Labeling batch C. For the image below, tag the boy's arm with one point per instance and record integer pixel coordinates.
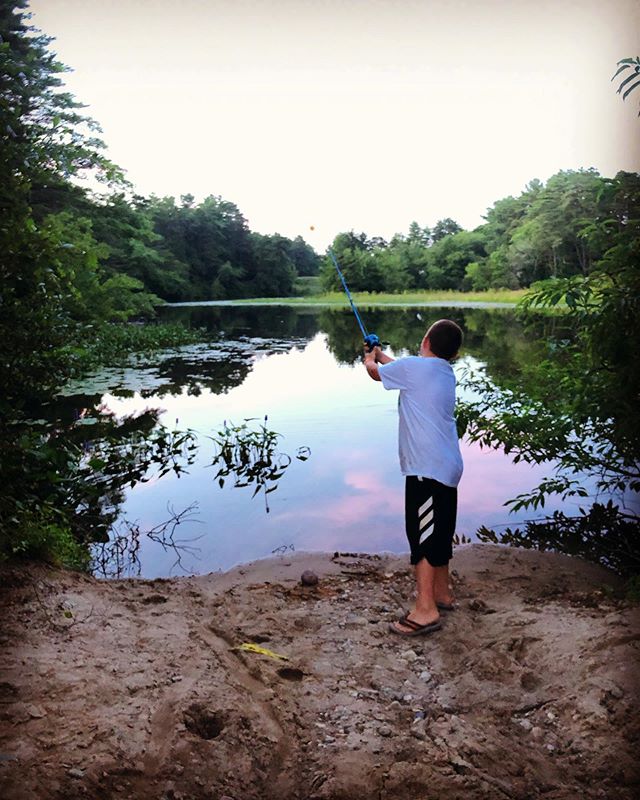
(371, 361)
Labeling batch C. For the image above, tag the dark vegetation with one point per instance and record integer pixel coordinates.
(558, 230)
(77, 267)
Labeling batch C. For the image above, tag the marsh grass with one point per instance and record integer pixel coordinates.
(443, 298)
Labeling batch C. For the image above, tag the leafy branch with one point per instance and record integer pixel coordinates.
(250, 457)
(633, 65)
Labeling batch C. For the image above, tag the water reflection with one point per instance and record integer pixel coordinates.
(302, 368)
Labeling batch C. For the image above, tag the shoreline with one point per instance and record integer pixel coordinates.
(145, 688)
(301, 302)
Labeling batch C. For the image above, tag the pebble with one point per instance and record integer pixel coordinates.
(407, 698)
(425, 675)
(75, 773)
(537, 733)
(526, 724)
(309, 578)
(409, 655)
(385, 730)
(356, 620)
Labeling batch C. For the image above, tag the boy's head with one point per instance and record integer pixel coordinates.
(443, 339)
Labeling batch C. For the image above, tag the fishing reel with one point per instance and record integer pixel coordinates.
(372, 340)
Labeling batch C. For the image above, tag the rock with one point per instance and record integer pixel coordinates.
(616, 692)
(384, 730)
(525, 724)
(356, 621)
(409, 655)
(309, 578)
(537, 733)
(425, 675)
(74, 772)
(407, 698)
(35, 712)
(176, 678)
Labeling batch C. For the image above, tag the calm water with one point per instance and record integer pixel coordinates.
(301, 367)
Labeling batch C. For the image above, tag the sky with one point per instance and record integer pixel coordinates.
(351, 114)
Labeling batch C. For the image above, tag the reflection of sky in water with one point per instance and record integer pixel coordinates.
(348, 496)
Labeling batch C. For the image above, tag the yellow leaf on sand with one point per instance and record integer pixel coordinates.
(250, 647)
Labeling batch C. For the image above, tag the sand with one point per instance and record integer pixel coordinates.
(140, 689)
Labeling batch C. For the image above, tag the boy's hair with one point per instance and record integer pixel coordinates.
(445, 338)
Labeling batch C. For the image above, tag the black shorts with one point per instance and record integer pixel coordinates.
(430, 511)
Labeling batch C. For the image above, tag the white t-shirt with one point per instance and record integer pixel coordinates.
(428, 438)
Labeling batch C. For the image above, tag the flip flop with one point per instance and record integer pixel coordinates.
(416, 628)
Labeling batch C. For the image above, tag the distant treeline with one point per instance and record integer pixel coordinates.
(178, 250)
(559, 229)
(206, 251)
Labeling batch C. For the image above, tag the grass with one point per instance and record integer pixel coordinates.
(503, 296)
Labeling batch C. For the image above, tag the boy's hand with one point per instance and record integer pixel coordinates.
(371, 355)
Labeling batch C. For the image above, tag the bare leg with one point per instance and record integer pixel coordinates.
(425, 610)
(442, 586)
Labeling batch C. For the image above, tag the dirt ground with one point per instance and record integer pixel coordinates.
(141, 689)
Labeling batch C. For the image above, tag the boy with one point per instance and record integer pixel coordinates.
(431, 462)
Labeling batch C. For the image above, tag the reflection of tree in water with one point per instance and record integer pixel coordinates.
(217, 369)
(119, 556)
(231, 322)
(495, 336)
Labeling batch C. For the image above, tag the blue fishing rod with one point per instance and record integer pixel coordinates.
(370, 339)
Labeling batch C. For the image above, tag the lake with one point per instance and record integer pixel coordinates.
(301, 368)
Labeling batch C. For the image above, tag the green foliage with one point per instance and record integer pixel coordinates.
(109, 344)
(250, 456)
(631, 79)
(41, 539)
(577, 403)
(63, 484)
(602, 534)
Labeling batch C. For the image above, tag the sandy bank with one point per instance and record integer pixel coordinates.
(137, 689)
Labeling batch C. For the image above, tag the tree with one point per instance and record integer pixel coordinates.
(351, 251)
(304, 257)
(275, 271)
(444, 227)
(449, 256)
(577, 405)
(44, 139)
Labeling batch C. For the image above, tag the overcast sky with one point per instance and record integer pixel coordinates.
(363, 114)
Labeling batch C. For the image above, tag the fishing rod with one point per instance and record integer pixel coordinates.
(370, 339)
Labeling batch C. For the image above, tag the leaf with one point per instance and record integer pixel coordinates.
(630, 89)
(626, 81)
(620, 69)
